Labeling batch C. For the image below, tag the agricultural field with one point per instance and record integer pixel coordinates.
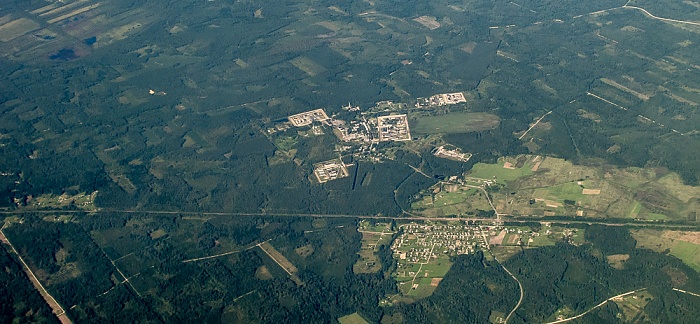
(546, 236)
(508, 240)
(632, 306)
(79, 200)
(456, 201)
(353, 318)
(507, 169)
(681, 244)
(547, 186)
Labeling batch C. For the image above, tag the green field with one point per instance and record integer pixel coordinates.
(634, 209)
(567, 191)
(437, 269)
(656, 216)
(451, 203)
(367, 226)
(557, 187)
(672, 241)
(423, 290)
(497, 317)
(542, 240)
(688, 252)
(285, 143)
(454, 123)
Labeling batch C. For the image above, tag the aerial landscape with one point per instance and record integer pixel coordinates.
(374, 161)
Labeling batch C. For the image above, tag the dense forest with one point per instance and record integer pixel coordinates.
(191, 148)
(79, 261)
(170, 111)
(19, 301)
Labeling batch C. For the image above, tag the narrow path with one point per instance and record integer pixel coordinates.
(223, 254)
(605, 100)
(246, 294)
(535, 124)
(640, 116)
(488, 198)
(419, 171)
(114, 264)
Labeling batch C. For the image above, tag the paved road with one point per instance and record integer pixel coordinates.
(595, 307)
(504, 218)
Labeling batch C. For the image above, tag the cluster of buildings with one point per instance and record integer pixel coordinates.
(330, 170)
(368, 131)
(393, 128)
(451, 154)
(307, 118)
(442, 99)
(364, 131)
(422, 242)
(373, 130)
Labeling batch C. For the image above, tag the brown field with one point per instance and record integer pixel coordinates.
(157, 234)
(263, 273)
(504, 252)
(17, 28)
(497, 240)
(641, 96)
(537, 160)
(435, 282)
(690, 237)
(305, 250)
(428, 21)
(591, 191)
(678, 277)
(617, 261)
(660, 240)
(282, 262)
(468, 47)
(513, 239)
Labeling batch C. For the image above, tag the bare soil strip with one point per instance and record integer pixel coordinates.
(55, 306)
(281, 261)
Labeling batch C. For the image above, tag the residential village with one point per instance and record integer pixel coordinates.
(425, 251)
(421, 242)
